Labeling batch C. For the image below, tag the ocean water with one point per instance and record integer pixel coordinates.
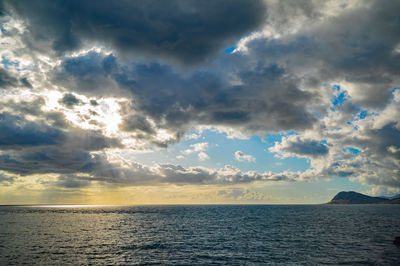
(202, 235)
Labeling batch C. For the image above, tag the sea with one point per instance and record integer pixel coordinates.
(200, 235)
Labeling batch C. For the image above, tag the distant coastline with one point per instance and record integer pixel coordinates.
(351, 197)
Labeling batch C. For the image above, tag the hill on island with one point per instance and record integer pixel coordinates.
(351, 197)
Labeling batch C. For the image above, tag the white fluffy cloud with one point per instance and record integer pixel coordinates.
(198, 148)
(242, 157)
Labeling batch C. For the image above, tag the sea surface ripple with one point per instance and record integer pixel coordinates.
(200, 234)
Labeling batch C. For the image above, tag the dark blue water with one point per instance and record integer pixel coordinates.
(233, 235)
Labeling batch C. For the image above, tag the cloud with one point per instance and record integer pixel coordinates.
(70, 100)
(203, 156)
(91, 73)
(241, 157)
(305, 69)
(30, 147)
(186, 31)
(18, 132)
(22, 107)
(363, 38)
(201, 146)
(36, 145)
(134, 174)
(265, 100)
(198, 148)
(374, 137)
(296, 146)
(7, 80)
(192, 136)
(72, 181)
(234, 193)
(4, 179)
(226, 175)
(136, 122)
(275, 86)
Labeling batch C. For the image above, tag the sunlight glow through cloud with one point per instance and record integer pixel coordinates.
(281, 92)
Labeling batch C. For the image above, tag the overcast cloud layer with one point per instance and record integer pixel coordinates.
(84, 81)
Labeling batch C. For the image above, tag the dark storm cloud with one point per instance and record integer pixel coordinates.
(231, 117)
(279, 78)
(266, 99)
(307, 147)
(296, 146)
(383, 142)
(137, 122)
(43, 160)
(39, 146)
(178, 174)
(34, 147)
(19, 132)
(7, 80)
(94, 102)
(91, 74)
(2, 9)
(69, 157)
(56, 119)
(26, 107)
(360, 46)
(70, 100)
(188, 31)
(4, 179)
(72, 181)
(34, 108)
(270, 103)
(273, 85)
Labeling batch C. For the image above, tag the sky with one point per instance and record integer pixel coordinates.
(198, 102)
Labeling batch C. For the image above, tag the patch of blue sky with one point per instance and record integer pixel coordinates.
(339, 96)
(271, 138)
(360, 113)
(7, 63)
(2, 22)
(339, 99)
(363, 114)
(352, 150)
(229, 50)
(341, 184)
(221, 151)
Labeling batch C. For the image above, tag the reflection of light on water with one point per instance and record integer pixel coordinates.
(70, 206)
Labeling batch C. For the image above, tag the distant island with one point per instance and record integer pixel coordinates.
(351, 197)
